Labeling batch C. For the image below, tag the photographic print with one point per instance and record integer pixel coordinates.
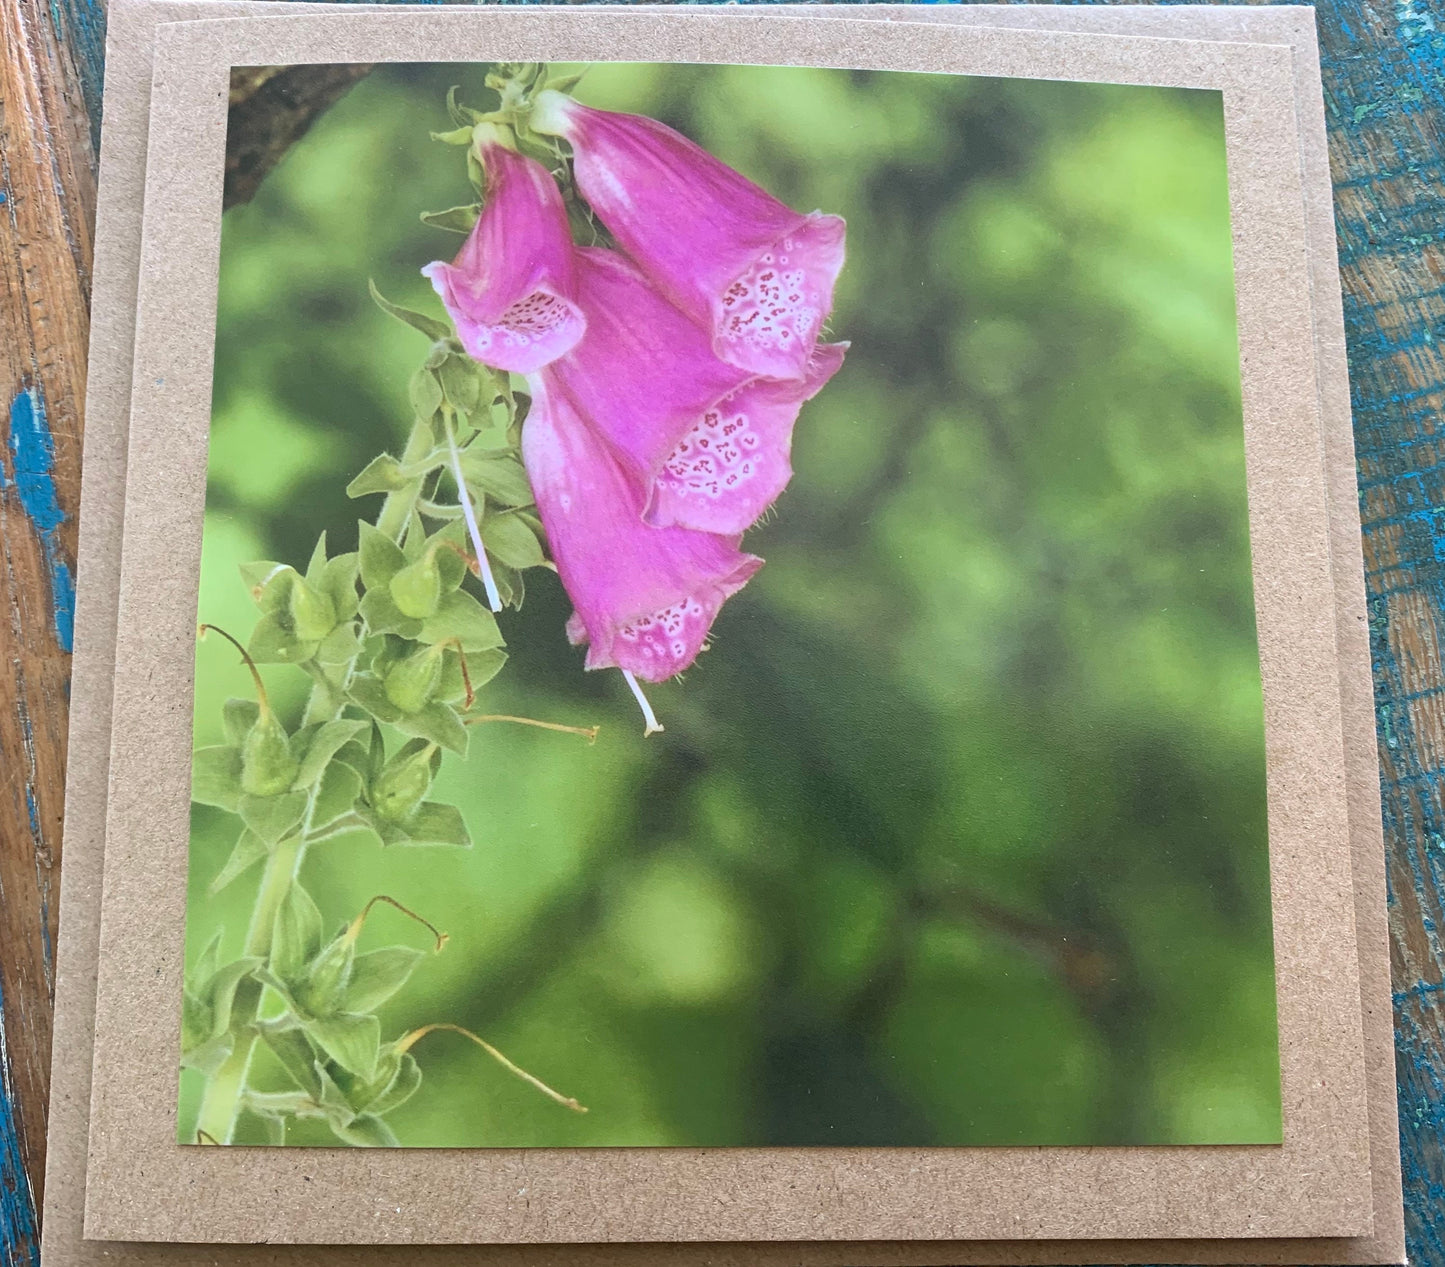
(725, 618)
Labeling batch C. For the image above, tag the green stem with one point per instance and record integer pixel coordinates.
(222, 1100)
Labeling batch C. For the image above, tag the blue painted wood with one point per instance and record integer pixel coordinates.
(1384, 70)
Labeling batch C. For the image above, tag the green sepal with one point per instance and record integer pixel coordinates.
(296, 935)
(383, 616)
(461, 616)
(482, 667)
(377, 975)
(461, 384)
(404, 1084)
(499, 475)
(429, 326)
(248, 850)
(273, 818)
(353, 1042)
(274, 641)
(320, 744)
(216, 776)
(312, 613)
(510, 538)
(382, 474)
(379, 557)
(436, 824)
(454, 219)
(295, 1054)
(237, 718)
(425, 393)
(339, 646)
(322, 989)
(366, 1132)
(338, 580)
(208, 1056)
(437, 722)
(410, 683)
(335, 799)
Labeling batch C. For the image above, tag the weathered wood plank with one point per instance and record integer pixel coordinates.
(46, 181)
(1384, 64)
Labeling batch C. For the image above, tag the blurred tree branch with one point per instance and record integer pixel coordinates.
(271, 107)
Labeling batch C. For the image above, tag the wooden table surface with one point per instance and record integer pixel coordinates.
(1384, 72)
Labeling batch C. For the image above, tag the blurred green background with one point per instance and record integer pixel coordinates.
(957, 835)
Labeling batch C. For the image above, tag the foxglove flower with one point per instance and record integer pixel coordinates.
(758, 274)
(510, 289)
(706, 443)
(644, 597)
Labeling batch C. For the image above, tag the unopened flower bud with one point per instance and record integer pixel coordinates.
(404, 782)
(313, 614)
(267, 763)
(411, 682)
(417, 588)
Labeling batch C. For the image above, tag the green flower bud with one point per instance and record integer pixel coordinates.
(313, 614)
(404, 782)
(410, 683)
(325, 984)
(417, 588)
(267, 763)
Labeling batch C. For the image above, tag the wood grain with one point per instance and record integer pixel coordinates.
(1384, 69)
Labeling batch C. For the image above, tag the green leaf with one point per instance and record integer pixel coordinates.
(325, 742)
(498, 474)
(379, 557)
(366, 1132)
(461, 616)
(340, 786)
(280, 1104)
(272, 818)
(237, 718)
(216, 777)
(378, 974)
(197, 1024)
(273, 642)
(353, 1042)
(403, 1085)
(382, 615)
(357, 756)
(261, 576)
(438, 824)
(429, 326)
(248, 850)
(511, 539)
(296, 937)
(565, 83)
(381, 475)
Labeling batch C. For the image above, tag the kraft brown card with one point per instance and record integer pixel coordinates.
(919, 1215)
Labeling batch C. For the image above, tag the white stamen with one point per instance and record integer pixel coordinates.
(653, 725)
(489, 583)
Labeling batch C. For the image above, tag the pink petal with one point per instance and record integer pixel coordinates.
(735, 460)
(510, 290)
(721, 248)
(645, 597)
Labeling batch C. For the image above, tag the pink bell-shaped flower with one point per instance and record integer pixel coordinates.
(759, 275)
(707, 443)
(644, 598)
(510, 289)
